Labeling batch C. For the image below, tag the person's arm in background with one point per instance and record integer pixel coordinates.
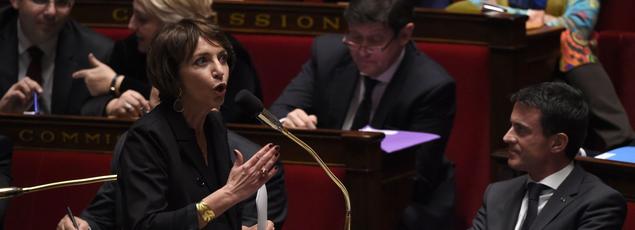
(101, 212)
(243, 75)
(580, 16)
(295, 102)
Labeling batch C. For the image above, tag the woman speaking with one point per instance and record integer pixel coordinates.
(174, 173)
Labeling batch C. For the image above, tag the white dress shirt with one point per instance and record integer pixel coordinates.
(552, 181)
(378, 92)
(48, 64)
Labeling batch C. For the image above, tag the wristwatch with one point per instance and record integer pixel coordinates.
(113, 86)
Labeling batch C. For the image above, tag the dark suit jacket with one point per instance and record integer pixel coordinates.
(581, 202)
(101, 213)
(420, 97)
(162, 174)
(70, 96)
(127, 60)
(6, 151)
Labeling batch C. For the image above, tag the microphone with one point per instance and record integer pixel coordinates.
(9, 192)
(253, 105)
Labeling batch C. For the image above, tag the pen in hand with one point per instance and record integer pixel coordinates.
(70, 215)
(36, 106)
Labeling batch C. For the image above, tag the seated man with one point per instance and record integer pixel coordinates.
(548, 126)
(374, 75)
(40, 49)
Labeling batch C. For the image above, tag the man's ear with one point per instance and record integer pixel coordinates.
(559, 142)
(406, 33)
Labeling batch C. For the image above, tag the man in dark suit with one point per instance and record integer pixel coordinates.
(40, 48)
(375, 75)
(548, 126)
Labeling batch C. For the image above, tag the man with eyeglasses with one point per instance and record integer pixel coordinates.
(374, 75)
(39, 50)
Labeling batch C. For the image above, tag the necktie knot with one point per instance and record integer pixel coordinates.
(362, 117)
(369, 84)
(35, 53)
(34, 70)
(535, 189)
(533, 193)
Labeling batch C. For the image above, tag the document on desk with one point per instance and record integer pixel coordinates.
(396, 140)
(624, 154)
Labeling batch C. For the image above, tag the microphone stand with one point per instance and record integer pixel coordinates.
(265, 116)
(9, 192)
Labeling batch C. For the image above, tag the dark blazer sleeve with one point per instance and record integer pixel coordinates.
(101, 212)
(300, 91)
(101, 47)
(606, 210)
(144, 179)
(128, 61)
(276, 192)
(435, 115)
(242, 75)
(480, 220)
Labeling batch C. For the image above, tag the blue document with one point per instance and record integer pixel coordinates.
(624, 154)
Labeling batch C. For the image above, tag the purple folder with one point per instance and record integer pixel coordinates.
(396, 140)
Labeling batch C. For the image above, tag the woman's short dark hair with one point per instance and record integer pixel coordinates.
(563, 110)
(175, 44)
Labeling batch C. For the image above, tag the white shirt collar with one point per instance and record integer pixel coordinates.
(47, 47)
(554, 180)
(387, 75)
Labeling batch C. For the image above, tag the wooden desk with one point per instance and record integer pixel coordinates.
(376, 181)
(618, 175)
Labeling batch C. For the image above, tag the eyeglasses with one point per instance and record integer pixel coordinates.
(369, 48)
(58, 3)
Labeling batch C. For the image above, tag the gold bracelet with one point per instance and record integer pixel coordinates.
(205, 212)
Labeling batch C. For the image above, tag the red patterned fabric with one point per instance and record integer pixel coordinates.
(278, 59)
(617, 54)
(114, 33)
(616, 15)
(315, 202)
(468, 146)
(42, 210)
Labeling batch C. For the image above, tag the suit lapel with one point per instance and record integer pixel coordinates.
(511, 207)
(9, 53)
(562, 197)
(186, 140)
(221, 154)
(394, 89)
(344, 85)
(65, 64)
(189, 148)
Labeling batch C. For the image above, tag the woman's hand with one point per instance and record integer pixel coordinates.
(130, 104)
(97, 78)
(244, 179)
(66, 223)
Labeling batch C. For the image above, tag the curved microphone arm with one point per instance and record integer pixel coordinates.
(16, 191)
(276, 125)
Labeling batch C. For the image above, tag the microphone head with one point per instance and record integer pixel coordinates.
(248, 102)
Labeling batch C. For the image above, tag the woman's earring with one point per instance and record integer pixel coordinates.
(178, 104)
